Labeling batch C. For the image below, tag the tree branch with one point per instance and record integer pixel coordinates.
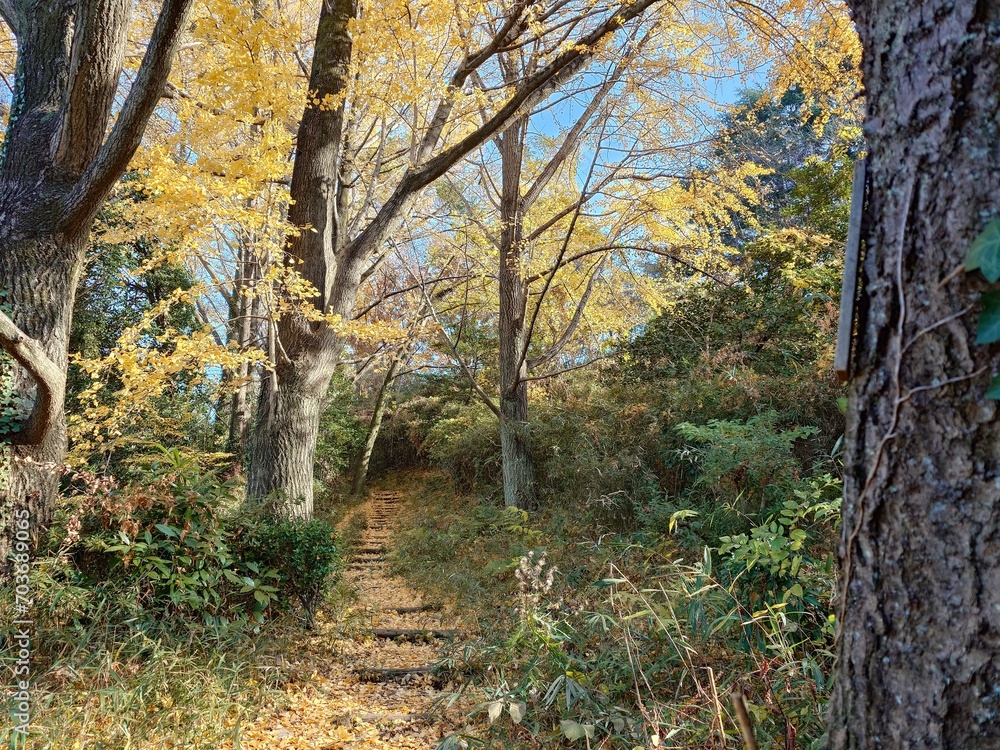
(10, 15)
(47, 374)
(574, 323)
(96, 60)
(114, 156)
(534, 89)
(636, 248)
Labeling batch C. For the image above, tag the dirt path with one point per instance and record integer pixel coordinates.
(374, 689)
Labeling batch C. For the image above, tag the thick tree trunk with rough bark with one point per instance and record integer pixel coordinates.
(283, 444)
(919, 613)
(56, 168)
(518, 468)
(41, 274)
(289, 417)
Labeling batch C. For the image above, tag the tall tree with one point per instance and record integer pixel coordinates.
(563, 225)
(919, 611)
(58, 164)
(332, 250)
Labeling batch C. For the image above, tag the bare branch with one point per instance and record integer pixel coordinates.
(547, 375)
(574, 323)
(47, 374)
(636, 248)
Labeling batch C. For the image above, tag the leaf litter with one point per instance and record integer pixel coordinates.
(328, 705)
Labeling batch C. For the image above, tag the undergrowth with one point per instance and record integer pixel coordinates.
(163, 610)
(617, 640)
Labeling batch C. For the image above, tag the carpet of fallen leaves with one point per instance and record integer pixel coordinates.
(330, 707)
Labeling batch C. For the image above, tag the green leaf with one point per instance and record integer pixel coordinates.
(575, 731)
(984, 253)
(994, 389)
(795, 591)
(166, 530)
(989, 321)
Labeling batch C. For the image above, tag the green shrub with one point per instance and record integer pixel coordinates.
(304, 554)
(165, 542)
(751, 460)
(341, 432)
(465, 442)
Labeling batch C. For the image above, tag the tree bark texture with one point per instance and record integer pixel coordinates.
(518, 468)
(284, 438)
(919, 611)
(56, 169)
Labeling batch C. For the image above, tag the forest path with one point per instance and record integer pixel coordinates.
(371, 686)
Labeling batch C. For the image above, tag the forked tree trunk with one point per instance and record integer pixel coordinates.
(283, 444)
(518, 468)
(55, 171)
(919, 613)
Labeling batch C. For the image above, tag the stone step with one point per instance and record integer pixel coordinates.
(435, 607)
(377, 718)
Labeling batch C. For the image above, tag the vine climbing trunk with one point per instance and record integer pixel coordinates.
(919, 609)
(57, 166)
(518, 467)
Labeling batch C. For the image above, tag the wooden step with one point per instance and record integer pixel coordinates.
(413, 634)
(435, 607)
(378, 674)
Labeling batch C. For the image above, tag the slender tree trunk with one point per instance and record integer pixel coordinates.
(919, 612)
(517, 464)
(239, 414)
(361, 471)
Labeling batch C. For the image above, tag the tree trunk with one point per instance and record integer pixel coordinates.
(55, 171)
(361, 471)
(285, 441)
(919, 611)
(518, 467)
(41, 273)
(283, 444)
(242, 330)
